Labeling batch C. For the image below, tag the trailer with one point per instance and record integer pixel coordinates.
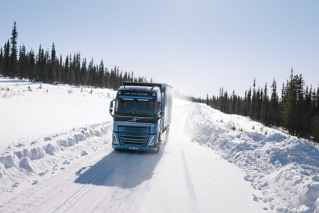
(141, 113)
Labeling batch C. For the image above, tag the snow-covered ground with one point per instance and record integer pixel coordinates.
(56, 156)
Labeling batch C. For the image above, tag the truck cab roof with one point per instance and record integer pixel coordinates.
(139, 88)
(162, 86)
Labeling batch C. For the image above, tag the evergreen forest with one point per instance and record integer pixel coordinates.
(296, 110)
(46, 66)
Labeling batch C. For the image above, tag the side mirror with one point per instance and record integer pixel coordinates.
(111, 108)
(111, 104)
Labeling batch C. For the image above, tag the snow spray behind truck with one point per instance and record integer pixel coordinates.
(141, 114)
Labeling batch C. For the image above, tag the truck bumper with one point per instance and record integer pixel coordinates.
(135, 148)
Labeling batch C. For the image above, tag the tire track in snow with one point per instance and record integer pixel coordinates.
(117, 199)
(83, 191)
(190, 187)
(147, 188)
(134, 198)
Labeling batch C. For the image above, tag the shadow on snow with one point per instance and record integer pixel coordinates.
(121, 169)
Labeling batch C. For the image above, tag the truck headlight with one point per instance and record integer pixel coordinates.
(153, 140)
(114, 139)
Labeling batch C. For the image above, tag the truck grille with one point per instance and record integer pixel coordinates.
(134, 136)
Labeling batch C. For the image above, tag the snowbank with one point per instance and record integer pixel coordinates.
(36, 158)
(284, 168)
(45, 126)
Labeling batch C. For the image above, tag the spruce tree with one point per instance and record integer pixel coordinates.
(66, 70)
(244, 105)
(84, 73)
(273, 106)
(77, 68)
(289, 107)
(31, 66)
(46, 66)
(59, 70)
(6, 62)
(91, 72)
(22, 62)
(264, 109)
(258, 100)
(14, 52)
(107, 78)
(248, 105)
(38, 65)
(253, 102)
(101, 75)
(52, 66)
(71, 72)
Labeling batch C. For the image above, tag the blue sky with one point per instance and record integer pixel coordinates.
(195, 46)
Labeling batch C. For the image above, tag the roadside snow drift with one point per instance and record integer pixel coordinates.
(284, 168)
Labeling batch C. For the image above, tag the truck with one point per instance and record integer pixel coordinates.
(142, 113)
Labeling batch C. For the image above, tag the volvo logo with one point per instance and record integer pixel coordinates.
(134, 119)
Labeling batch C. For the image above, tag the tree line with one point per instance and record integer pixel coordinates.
(45, 66)
(296, 110)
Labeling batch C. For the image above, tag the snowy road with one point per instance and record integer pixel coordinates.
(183, 177)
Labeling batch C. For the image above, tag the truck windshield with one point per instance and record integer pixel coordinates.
(140, 107)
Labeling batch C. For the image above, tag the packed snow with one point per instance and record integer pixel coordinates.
(56, 156)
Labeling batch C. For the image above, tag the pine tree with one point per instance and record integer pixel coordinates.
(91, 72)
(248, 105)
(53, 65)
(31, 66)
(300, 117)
(6, 59)
(38, 65)
(253, 102)
(22, 62)
(45, 66)
(14, 52)
(289, 103)
(264, 108)
(59, 70)
(66, 70)
(258, 101)
(84, 73)
(232, 103)
(71, 73)
(77, 68)
(273, 106)
(244, 106)
(120, 79)
(307, 111)
(107, 78)
(101, 75)
(238, 105)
